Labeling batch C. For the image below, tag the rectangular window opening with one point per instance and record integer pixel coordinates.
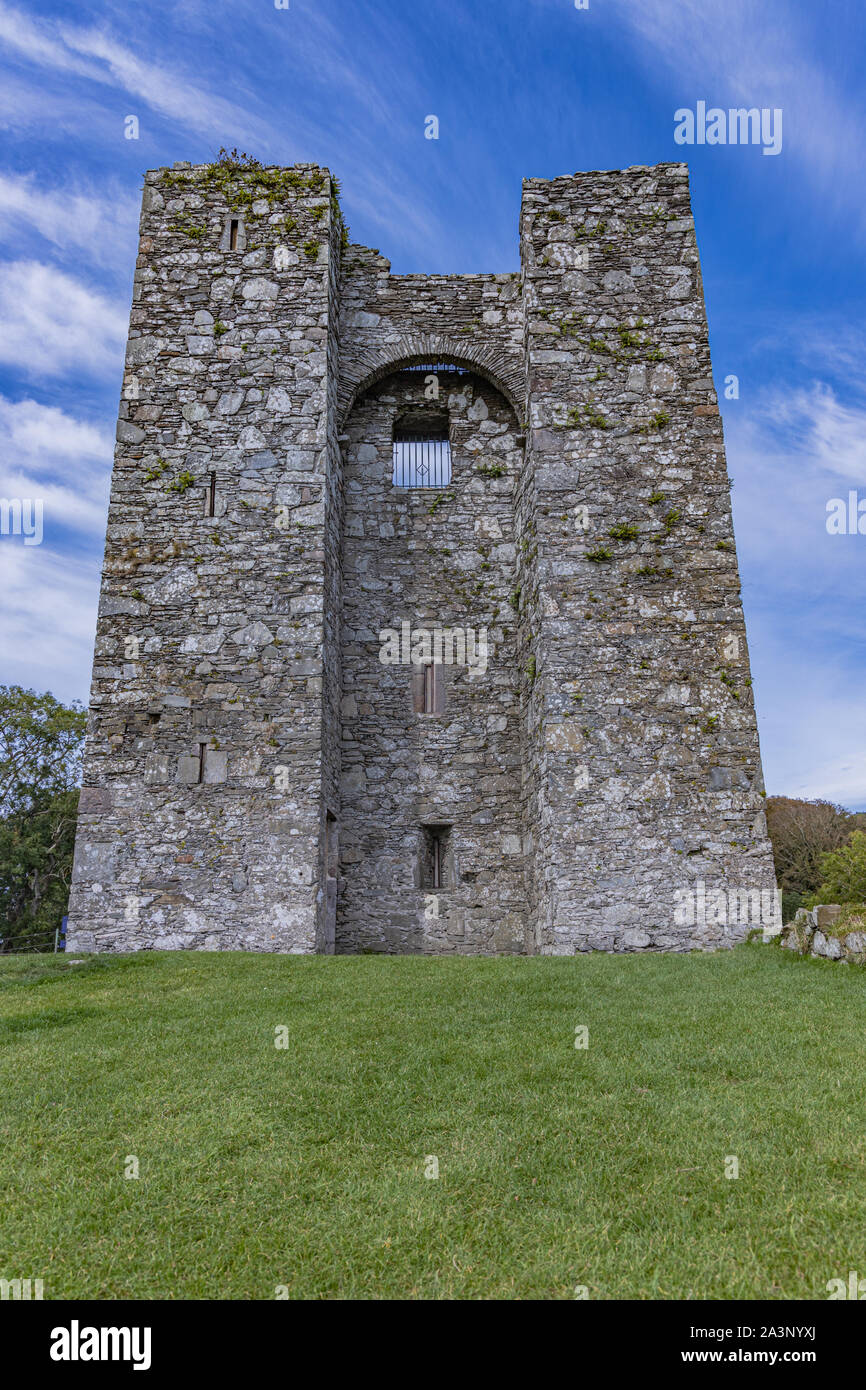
(436, 857)
(332, 845)
(211, 496)
(421, 455)
(428, 689)
(433, 692)
(233, 234)
(202, 760)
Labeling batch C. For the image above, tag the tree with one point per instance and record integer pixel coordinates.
(843, 873)
(41, 743)
(802, 832)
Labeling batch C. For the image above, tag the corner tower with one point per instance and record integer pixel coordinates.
(643, 741)
(211, 763)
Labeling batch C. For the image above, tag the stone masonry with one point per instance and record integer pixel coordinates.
(262, 772)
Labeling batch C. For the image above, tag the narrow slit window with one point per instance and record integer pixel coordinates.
(433, 702)
(435, 857)
(202, 759)
(421, 455)
(332, 845)
(233, 234)
(211, 496)
(428, 689)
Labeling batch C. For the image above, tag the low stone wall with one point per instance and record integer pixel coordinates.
(812, 934)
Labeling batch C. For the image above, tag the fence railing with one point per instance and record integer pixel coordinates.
(54, 939)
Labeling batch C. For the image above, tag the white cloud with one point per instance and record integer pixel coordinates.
(47, 618)
(51, 324)
(103, 227)
(830, 432)
(736, 51)
(38, 43)
(65, 462)
(94, 55)
(802, 587)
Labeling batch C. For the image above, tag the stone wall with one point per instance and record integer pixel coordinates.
(815, 932)
(254, 776)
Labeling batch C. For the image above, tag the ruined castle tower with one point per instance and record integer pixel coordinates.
(420, 626)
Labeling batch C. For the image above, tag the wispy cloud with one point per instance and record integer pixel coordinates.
(103, 225)
(317, 53)
(95, 55)
(756, 56)
(794, 450)
(51, 324)
(47, 454)
(48, 618)
(40, 43)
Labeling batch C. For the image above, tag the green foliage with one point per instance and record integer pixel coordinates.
(802, 834)
(242, 180)
(181, 482)
(843, 872)
(656, 422)
(852, 918)
(235, 161)
(40, 767)
(187, 227)
(727, 679)
(669, 521)
(157, 471)
(582, 231)
(586, 415)
(623, 532)
(311, 249)
(599, 556)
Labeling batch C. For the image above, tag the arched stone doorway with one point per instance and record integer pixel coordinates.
(432, 850)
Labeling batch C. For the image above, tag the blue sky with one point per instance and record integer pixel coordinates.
(522, 88)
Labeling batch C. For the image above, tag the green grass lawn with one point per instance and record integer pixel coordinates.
(558, 1167)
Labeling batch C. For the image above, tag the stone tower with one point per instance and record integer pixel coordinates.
(420, 626)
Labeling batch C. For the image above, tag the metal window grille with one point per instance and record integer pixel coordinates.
(420, 461)
(435, 367)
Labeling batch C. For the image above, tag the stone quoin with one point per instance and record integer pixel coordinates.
(313, 452)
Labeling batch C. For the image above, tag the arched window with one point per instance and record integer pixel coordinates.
(422, 453)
